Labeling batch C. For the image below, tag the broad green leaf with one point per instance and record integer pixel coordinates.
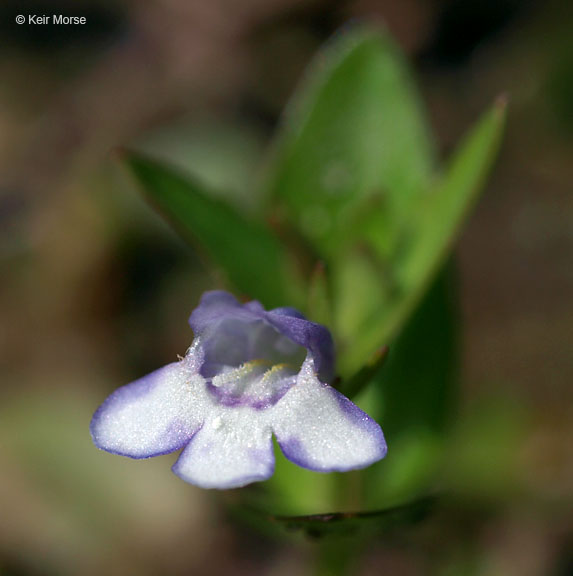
(253, 259)
(435, 223)
(354, 135)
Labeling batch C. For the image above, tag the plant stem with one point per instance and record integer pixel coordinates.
(336, 556)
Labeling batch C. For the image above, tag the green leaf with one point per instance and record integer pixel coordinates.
(201, 145)
(417, 391)
(253, 259)
(359, 284)
(435, 223)
(352, 387)
(414, 467)
(419, 381)
(319, 304)
(355, 134)
(440, 215)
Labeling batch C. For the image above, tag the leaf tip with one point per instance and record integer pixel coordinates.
(129, 158)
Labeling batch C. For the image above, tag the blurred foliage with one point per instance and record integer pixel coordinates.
(421, 393)
(222, 152)
(95, 288)
(354, 135)
(252, 257)
(415, 395)
(352, 187)
(428, 237)
(74, 506)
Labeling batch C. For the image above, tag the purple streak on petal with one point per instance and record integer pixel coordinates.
(227, 398)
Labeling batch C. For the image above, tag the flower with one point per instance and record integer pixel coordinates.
(249, 374)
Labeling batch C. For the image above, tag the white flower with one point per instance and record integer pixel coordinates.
(249, 374)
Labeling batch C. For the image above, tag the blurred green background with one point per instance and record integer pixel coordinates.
(96, 289)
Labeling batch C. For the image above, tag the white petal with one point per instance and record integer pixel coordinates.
(320, 429)
(154, 415)
(233, 448)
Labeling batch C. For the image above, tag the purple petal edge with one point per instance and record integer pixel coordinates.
(133, 391)
(183, 443)
(293, 448)
(219, 305)
(362, 419)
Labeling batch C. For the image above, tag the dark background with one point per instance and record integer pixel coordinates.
(95, 289)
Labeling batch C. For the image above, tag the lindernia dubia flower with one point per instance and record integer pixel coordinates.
(249, 374)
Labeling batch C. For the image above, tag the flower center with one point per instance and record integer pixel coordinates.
(250, 363)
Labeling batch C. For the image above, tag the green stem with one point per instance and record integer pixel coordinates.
(336, 556)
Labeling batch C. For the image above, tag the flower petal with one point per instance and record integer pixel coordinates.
(233, 448)
(218, 306)
(314, 337)
(320, 429)
(214, 306)
(154, 415)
